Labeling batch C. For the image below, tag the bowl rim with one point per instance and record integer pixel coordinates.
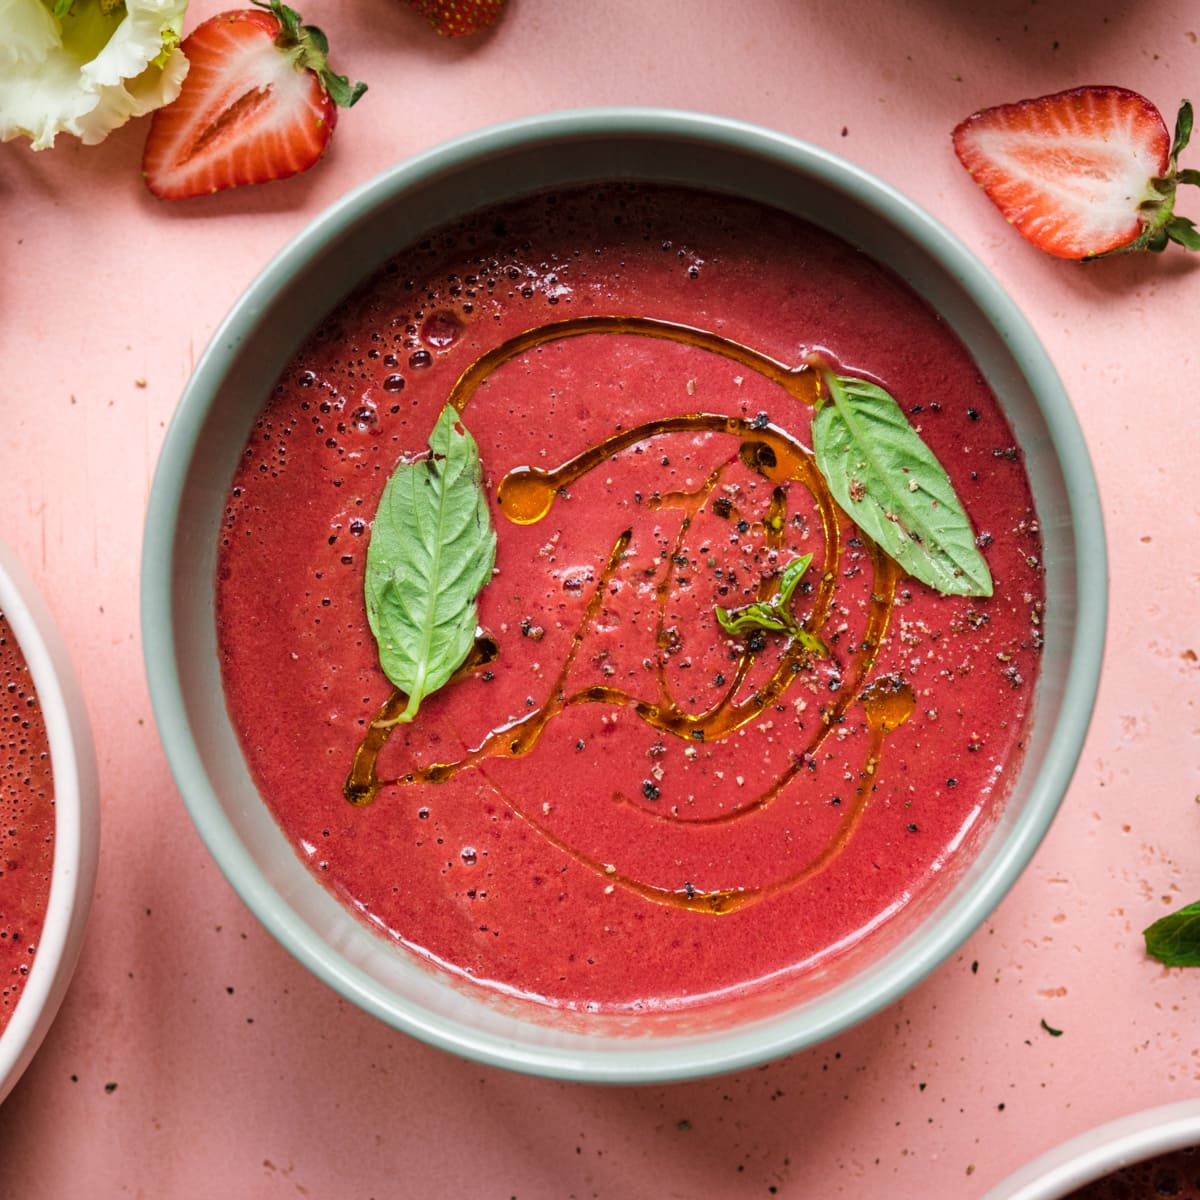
(76, 819)
(634, 1062)
(1091, 1155)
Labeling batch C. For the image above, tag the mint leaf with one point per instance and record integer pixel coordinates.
(892, 486)
(431, 551)
(1175, 939)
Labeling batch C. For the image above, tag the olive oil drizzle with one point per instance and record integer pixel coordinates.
(527, 494)
(887, 704)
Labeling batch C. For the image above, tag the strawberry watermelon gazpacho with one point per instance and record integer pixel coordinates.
(631, 597)
(26, 822)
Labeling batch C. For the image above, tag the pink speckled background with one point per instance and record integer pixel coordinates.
(235, 1072)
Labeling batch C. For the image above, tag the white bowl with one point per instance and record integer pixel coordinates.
(1091, 1156)
(76, 819)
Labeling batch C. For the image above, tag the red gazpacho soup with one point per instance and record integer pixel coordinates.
(706, 728)
(26, 822)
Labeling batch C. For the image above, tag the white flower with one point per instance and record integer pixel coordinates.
(87, 70)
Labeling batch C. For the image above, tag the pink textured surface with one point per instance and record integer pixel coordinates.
(193, 1057)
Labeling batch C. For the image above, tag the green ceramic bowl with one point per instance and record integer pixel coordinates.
(257, 340)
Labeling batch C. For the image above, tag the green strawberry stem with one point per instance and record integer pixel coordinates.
(308, 47)
(1183, 129)
(1160, 224)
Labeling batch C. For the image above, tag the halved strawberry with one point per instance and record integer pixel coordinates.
(1084, 172)
(259, 103)
(458, 18)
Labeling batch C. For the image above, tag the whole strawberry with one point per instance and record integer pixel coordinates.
(1083, 173)
(259, 103)
(458, 18)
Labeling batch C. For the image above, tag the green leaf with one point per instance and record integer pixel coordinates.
(893, 487)
(790, 578)
(749, 617)
(431, 551)
(1188, 175)
(1175, 938)
(774, 615)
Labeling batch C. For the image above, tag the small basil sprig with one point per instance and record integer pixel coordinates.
(1175, 939)
(431, 551)
(774, 615)
(892, 486)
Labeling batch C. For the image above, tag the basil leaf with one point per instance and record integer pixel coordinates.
(431, 551)
(751, 616)
(1175, 938)
(790, 577)
(774, 615)
(893, 487)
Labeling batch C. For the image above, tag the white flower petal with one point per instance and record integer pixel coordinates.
(157, 86)
(138, 40)
(28, 32)
(100, 71)
(153, 88)
(40, 102)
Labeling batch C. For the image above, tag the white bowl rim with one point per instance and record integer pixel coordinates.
(1095, 1153)
(76, 820)
(635, 1061)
